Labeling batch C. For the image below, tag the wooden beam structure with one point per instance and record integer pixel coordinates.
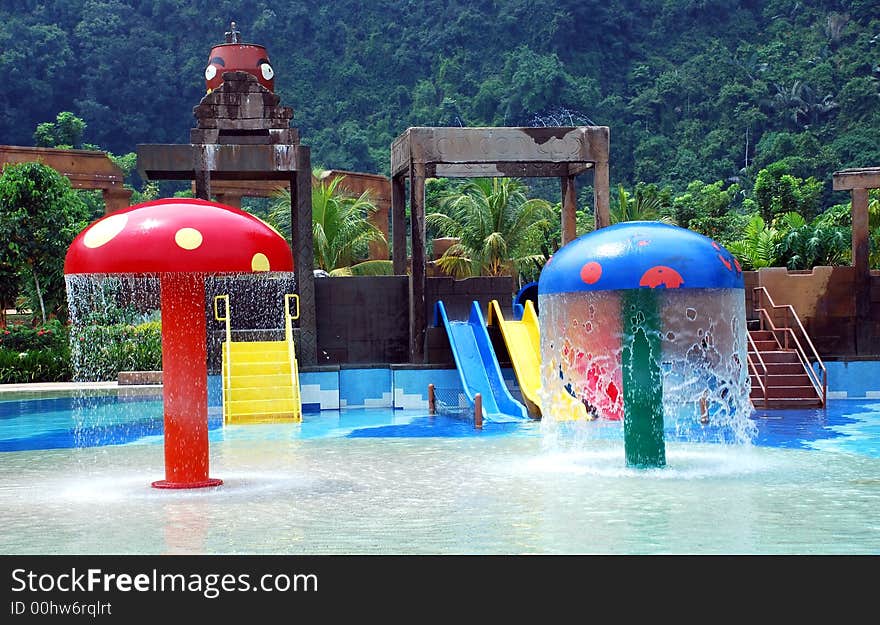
(504, 152)
(858, 181)
(230, 192)
(86, 169)
(243, 134)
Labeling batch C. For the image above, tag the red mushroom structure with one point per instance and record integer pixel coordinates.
(181, 241)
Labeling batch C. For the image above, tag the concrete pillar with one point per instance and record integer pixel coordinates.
(861, 265)
(418, 281)
(229, 199)
(601, 194)
(116, 199)
(569, 209)
(203, 184)
(303, 254)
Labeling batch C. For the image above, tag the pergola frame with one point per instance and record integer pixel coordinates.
(86, 169)
(284, 164)
(858, 181)
(230, 192)
(431, 152)
(243, 133)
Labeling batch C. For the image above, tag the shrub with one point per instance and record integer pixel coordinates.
(34, 354)
(100, 352)
(20, 338)
(38, 365)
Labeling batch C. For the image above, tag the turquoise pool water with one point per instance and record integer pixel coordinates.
(75, 475)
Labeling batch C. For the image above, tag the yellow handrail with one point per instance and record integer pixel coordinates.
(288, 318)
(821, 385)
(227, 378)
(288, 337)
(761, 383)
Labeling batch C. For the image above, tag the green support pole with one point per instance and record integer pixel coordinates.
(642, 383)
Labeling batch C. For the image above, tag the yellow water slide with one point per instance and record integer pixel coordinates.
(523, 341)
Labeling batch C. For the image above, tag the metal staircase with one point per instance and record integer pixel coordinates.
(260, 378)
(785, 369)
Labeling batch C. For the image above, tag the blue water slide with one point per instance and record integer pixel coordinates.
(478, 365)
(527, 292)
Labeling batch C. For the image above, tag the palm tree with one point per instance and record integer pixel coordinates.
(498, 229)
(873, 227)
(801, 103)
(638, 206)
(759, 245)
(341, 229)
(790, 100)
(807, 245)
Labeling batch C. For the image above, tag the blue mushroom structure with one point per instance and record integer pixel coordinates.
(645, 323)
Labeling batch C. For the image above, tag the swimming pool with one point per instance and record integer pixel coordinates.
(75, 474)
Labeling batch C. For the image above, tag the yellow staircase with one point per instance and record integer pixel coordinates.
(260, 378)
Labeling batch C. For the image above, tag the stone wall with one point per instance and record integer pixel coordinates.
(824, 300)
(365, 320)
(362, 319)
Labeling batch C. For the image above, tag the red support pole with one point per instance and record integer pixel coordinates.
(185, 382)
(432, 400)
(478, 411)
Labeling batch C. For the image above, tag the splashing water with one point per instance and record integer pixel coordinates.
(702, 361)
(560, 116)
(116, 324)
(106, 311)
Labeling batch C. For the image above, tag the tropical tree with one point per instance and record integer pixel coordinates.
(645, 203)
(10, 287)
(806, 245)
(859, 99)
(759, 245)
(801, 104)
(790, 101)
(777, 192)
(66, 131)
(498, 228)
(715, 210)
(40, 214)
(341, 229)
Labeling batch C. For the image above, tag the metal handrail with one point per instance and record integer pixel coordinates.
(227, 378)
(821, 385)
(761, 383)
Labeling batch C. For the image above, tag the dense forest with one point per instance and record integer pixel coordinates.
(708, 90)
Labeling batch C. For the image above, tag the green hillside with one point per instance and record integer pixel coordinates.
(692, 90)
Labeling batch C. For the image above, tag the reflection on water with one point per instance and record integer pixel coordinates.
(467, 494)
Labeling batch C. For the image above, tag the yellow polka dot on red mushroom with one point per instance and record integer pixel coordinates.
(188, 238)
(259, 262)
(104, 231)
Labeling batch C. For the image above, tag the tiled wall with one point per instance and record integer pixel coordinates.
(408, 388)
(853, 379)
(319, 390)
(377, 388)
